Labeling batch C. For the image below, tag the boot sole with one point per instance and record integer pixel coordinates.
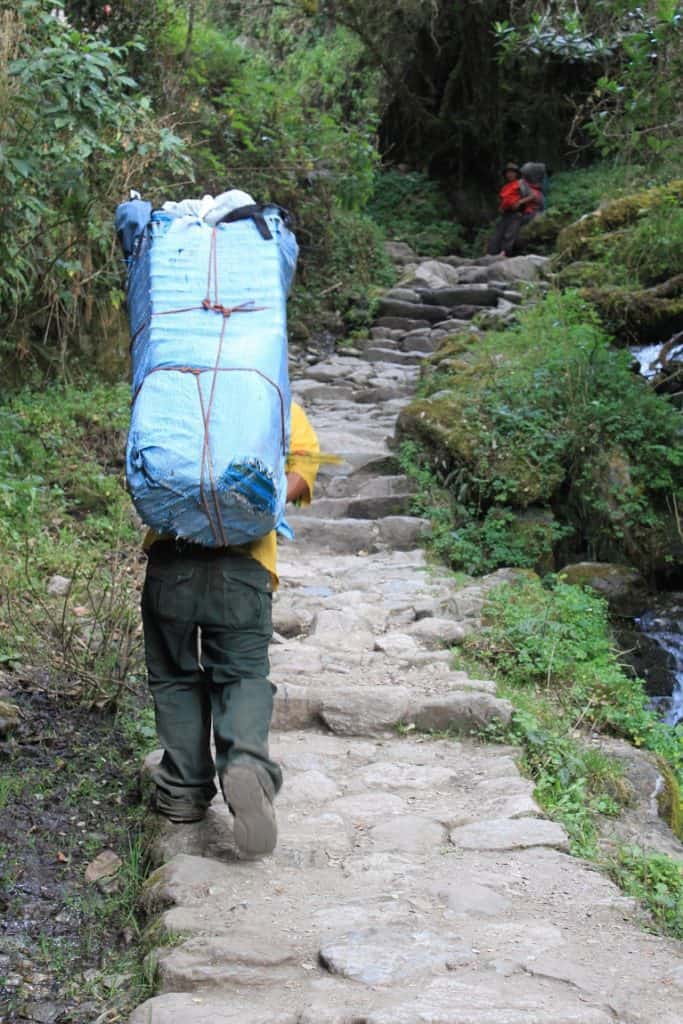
(254, 827)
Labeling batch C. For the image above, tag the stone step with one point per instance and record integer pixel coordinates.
(367, 486)
(377, 333)
(351, 536)
(401, 323)
(372, 507)
(412, 310)
(414, 880)
(461, 295)
(422, 341)
(391, 355)
(369, 711)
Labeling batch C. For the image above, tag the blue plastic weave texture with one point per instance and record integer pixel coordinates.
(223, 483)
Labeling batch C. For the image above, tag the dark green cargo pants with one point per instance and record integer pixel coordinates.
(207, 621)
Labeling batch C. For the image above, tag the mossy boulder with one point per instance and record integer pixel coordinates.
(670, 799)
(541, 233)
(622, 586)
(574, 241)
(461, 439)
(645, 315)
(548, 414)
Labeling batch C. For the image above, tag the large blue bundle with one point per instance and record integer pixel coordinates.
(209, 429)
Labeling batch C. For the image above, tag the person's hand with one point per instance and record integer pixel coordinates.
(296, 487)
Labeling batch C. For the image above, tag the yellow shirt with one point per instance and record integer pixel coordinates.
(303, 448)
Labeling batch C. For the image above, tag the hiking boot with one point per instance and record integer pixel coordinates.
(251, 805)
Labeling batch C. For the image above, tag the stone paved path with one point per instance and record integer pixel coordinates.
(415, 880)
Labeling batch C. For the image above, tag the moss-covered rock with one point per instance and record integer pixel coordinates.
(547, 414)
(622, 586)
(540, 234)
(670, 799)
(574, 240)
(636, 315)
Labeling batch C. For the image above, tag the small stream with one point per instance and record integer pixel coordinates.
(659, 359)
(661, 628)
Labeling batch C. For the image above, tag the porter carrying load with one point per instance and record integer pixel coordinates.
(209, 433)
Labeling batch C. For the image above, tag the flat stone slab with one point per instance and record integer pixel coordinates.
(387, 956)
(506, 834)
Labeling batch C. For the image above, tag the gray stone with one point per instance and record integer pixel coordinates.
(506, 834)
(435, 274)
(398, 646)
(59, 586)
(400, 252)
(402, 533)
(403, 295)
(367, 809)
(365, 712)
(289, 622)
(459, 295)
(471, 996)
(412, 311)
(402, 323)
(189, 1008)
(220, 961)
(516, 268)
(468, 710)
(422, 341)
(308, 787)
(434, 632)
(452, 326)
(425, 778)
(386, 956)
(296, 707)
(392, 355)
(380, 507)
(467, 896)
(409, 834)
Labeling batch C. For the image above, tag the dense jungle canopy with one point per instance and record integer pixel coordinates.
(364, 119)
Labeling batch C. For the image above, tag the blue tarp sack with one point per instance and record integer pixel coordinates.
(209, 430)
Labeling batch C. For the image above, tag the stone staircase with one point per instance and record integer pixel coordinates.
(415, 880)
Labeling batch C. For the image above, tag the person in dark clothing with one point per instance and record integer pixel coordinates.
(520, 200)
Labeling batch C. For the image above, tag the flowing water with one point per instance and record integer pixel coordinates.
(662, 628)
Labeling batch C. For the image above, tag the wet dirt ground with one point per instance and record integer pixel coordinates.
(68, 791)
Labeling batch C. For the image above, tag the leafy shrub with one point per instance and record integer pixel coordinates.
(75, 135)
(656, 880)
(61, 480)
(652, 250)
(410, 207)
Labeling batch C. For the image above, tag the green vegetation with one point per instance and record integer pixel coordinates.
(64, 510)
(541, 433)
(548, 646)
(74, 137)
(410, 207)
(656, 881)
(555, 640)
